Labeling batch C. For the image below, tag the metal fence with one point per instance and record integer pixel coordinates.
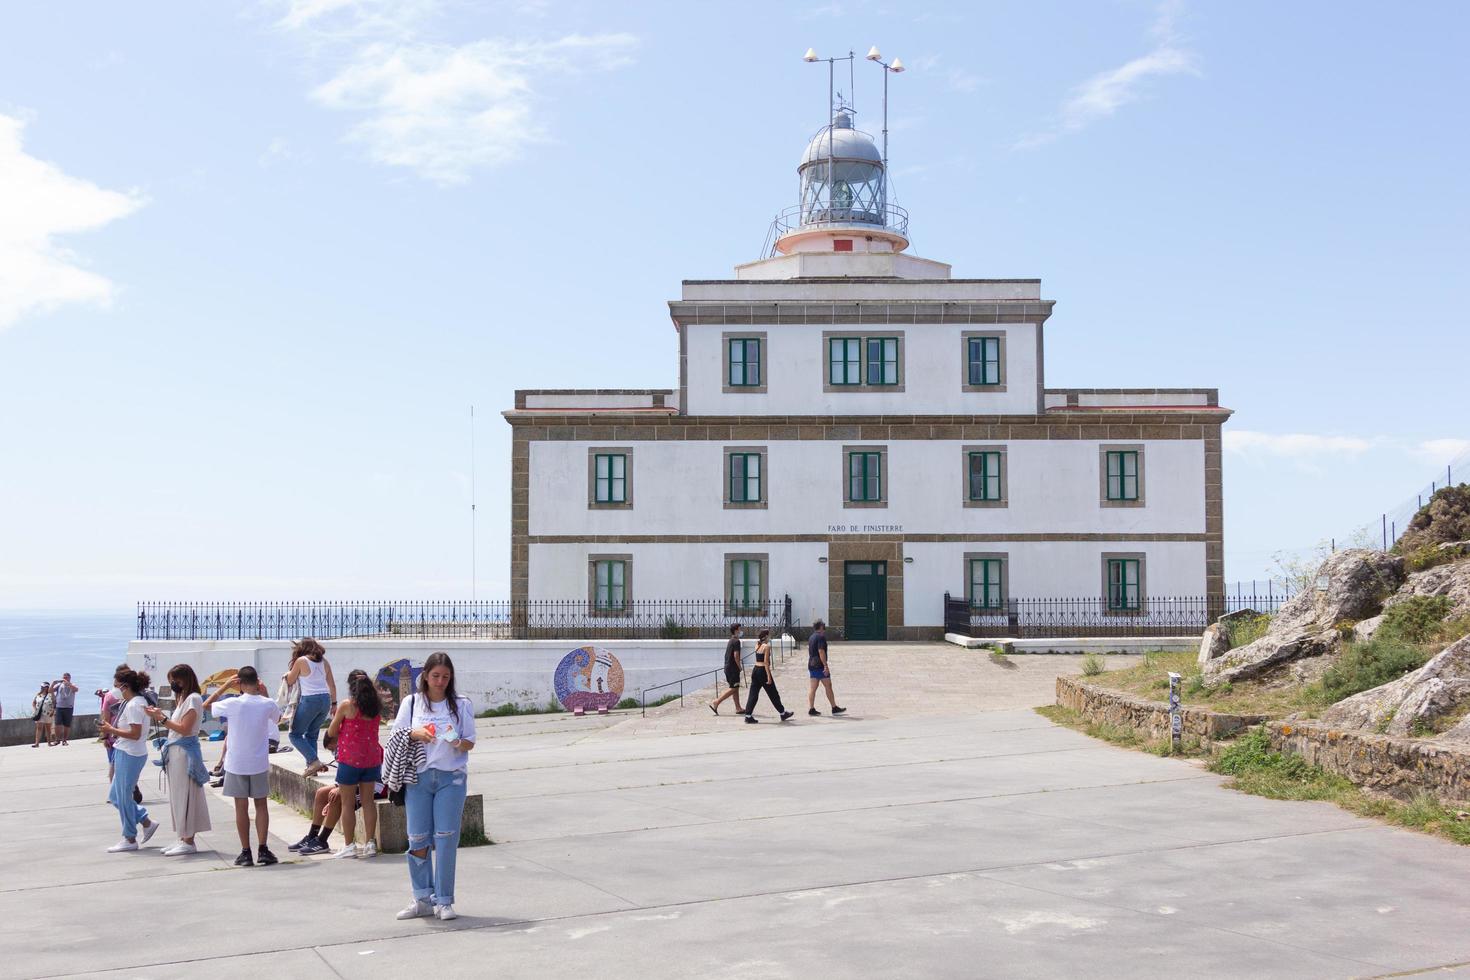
(1092, 616)
(667, 619)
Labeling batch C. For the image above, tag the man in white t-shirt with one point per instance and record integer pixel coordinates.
(253, 719)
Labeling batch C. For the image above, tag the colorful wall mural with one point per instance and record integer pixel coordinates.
(589, 678)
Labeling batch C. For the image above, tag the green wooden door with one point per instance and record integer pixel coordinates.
(865, 584)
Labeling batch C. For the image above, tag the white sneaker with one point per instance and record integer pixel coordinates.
(417, 910)
(445, 912)
(350, 851)
(180, 848)
(370, 849)
(149, 831)
(123, 845)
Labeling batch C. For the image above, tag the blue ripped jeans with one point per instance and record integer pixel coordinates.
(435, 806)
(311, 714)
(126, 769)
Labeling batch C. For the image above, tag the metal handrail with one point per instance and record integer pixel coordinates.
(889, 217)
(715, 675)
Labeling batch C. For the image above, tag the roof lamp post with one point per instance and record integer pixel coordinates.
(811, 57)
(893, 67)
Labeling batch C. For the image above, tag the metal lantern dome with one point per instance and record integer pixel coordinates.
(844, 191)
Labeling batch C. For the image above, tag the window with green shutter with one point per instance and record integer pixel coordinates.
(610, 478)
(745, 478)
(746, 584)
(609, 585)
(1122, 474)
(984, 360)
(864, 476)
(1124, 593)
(986, 586)
(882, 360)
(844, 360)
(745, 362)
(985, 476)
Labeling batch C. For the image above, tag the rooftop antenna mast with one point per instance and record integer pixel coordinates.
(811, 57)
(893, 67)
(474, 556)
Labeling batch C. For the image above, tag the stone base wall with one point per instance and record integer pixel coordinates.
(20, 731)
(1148, 718)
(1398, 767)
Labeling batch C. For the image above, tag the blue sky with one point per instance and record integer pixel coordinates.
(257, 259)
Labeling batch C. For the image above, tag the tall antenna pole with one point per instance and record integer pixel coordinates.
(474, 554)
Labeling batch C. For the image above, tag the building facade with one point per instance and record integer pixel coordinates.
(857, 429)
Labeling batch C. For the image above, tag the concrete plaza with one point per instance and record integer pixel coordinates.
(943, 831)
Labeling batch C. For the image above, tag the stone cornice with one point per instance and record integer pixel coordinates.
(879, 312)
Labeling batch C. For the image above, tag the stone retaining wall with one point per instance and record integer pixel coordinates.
(1148, 718)
(1399, 767)
(20, 731)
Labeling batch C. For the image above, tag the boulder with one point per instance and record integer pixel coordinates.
(1417, 698)
(1364, 631)
(1214, 644)
(1452, 580)
(1357, 582)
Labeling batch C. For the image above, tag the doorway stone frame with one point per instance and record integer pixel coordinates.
(873, 548)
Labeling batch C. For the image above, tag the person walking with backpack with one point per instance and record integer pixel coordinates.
(818, 670)
(441, 726)
(253, 717)
(762, 679)
(44, 704)
(129, 757)
(359, 762)
(734, 667)
(310, 670)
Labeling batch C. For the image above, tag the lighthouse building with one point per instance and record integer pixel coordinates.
(858, 429)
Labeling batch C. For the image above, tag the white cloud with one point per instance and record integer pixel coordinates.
(440, 110)
(444, 111)
(1104, 94)
(38, 203)
(1293, 444)
(1441, 451)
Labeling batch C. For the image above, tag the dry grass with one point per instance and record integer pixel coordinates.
(1150, 680)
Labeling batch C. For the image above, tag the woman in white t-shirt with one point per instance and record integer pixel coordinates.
(131, 755)
(445, 723)
(183, 760)
(312, 675)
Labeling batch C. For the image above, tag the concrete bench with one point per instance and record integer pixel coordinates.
(287, 780)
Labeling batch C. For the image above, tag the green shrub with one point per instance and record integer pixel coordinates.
(1417, 618)
(1367, 665)
(671, 630)
(1092, 665)
(1246, 629)
(627, 703)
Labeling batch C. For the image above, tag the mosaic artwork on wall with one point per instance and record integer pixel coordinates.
(395, 681)
(589, 678)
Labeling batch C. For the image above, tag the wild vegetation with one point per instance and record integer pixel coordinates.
(1444, 520)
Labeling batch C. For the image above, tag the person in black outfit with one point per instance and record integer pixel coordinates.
(734, 666)
(761, 678)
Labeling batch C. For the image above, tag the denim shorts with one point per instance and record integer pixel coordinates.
(820, 674)
(352, 775)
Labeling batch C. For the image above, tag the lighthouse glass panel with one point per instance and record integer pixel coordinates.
(984, 357)
(745, 363)
(844, 361)
(612, 479)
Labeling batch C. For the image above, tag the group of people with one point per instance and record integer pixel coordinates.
(424, 764)
(762, 674)
(53, 706)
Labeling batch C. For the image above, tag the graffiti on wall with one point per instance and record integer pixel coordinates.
(589, 678)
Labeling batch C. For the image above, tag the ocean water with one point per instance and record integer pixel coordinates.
(40, 646)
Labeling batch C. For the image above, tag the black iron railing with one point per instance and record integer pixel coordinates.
(669, 619)
(1094, 616)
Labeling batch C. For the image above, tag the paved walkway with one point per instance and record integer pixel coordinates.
(968, 840)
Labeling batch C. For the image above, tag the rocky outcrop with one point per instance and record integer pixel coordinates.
(1364, 631)
(1354, 585)
(1451, 581)
(1405, 706)
(1215, 643)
